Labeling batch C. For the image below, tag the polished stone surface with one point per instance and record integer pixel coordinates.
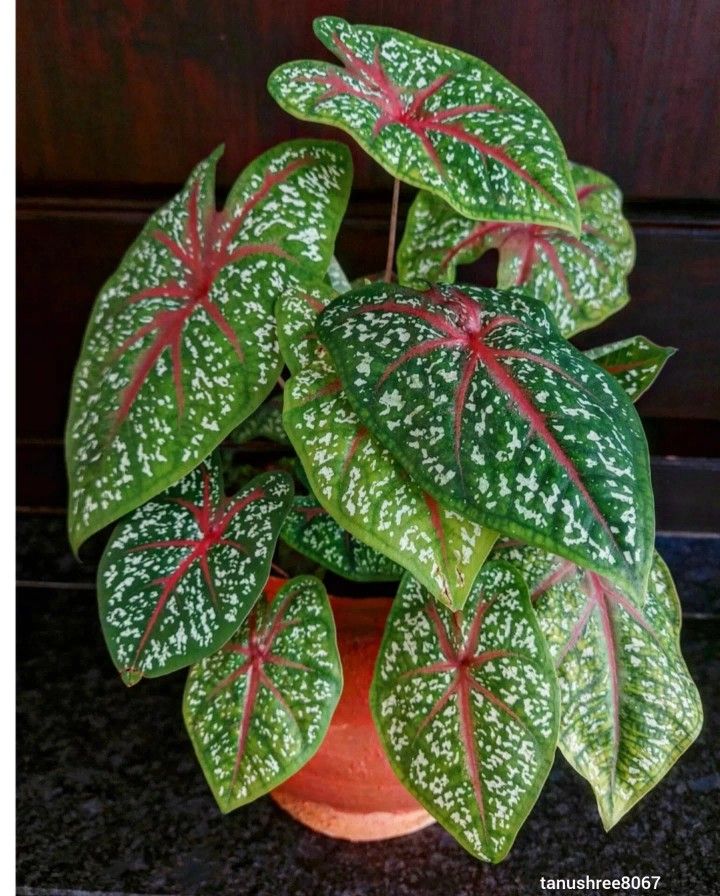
(111, 800)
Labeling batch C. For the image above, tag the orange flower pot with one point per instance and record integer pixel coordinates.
(348, 789)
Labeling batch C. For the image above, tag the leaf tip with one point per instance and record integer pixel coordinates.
(131, 676)
(324, 25)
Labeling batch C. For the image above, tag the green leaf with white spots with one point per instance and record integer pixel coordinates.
(436, 118)
(635, 362)
(582, 279)
(181, 572)
(264, 423)
(441, 549)
(466, 705)
(296, 314)
(356, 480)
(181, 345)
(475, 393)
(629, 706)
(310, 530)
(258, 710)
(336, 276)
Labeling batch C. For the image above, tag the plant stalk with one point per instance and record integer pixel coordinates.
(393, 231)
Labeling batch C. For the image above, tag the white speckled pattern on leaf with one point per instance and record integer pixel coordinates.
(310, 529)
(581, 279)
(635, 362)
(257, 710)
(181, 344)
(466, 705)
(336, 276)
(181, 572)
(629, 706)
(437, 118)
(296, 313)
(475, 393)
(360, 485)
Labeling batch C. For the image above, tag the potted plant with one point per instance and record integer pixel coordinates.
(446, 437)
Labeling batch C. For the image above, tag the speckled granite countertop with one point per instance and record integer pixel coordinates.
(111, 800)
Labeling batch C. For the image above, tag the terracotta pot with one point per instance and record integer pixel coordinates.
(348, 789)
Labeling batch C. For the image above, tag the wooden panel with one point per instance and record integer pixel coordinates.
(137, 91)
(686, 491)
(675, 301)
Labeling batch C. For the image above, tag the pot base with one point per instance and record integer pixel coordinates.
(354, 826)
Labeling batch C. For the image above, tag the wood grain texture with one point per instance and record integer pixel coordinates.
(134, 92)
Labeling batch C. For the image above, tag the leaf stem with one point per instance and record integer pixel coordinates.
(392, 233)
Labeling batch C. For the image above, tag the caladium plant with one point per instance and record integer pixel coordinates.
(581, 278)
(415, 430)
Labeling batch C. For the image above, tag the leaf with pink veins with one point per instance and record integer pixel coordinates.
(181, 345)
(310, 530)
(366, 493)
(480, 400)
(181, 572)
(630, 708)
(466, 705)
(258, 709)
(436, 118)
(635, 362)
(582, 279)
(296, 312)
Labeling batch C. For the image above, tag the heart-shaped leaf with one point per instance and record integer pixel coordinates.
(368, 494)
(258, 709)
(310, 530)
(181, 344)
(436, 118)
(583, 279)
(630, 708)
(489, 409)
(635, 362)
(180, 574)
(296, 313)
(264, 423)
(466, 706)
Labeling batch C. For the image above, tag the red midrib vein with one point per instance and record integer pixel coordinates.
(386, 96)
(259, 655)
(606, 622)
(457, 132)
(467, 735)
(562, 571)
(600, 597)
(251, 692)
(478, 233)
(202, 261)
(512, 239)
(205, 517)
(505, 381)
(459, 659)
(436, 520)
(470, 339)
(582, 193)
(629, 365)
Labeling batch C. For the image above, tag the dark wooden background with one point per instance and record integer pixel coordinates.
(118, 99)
